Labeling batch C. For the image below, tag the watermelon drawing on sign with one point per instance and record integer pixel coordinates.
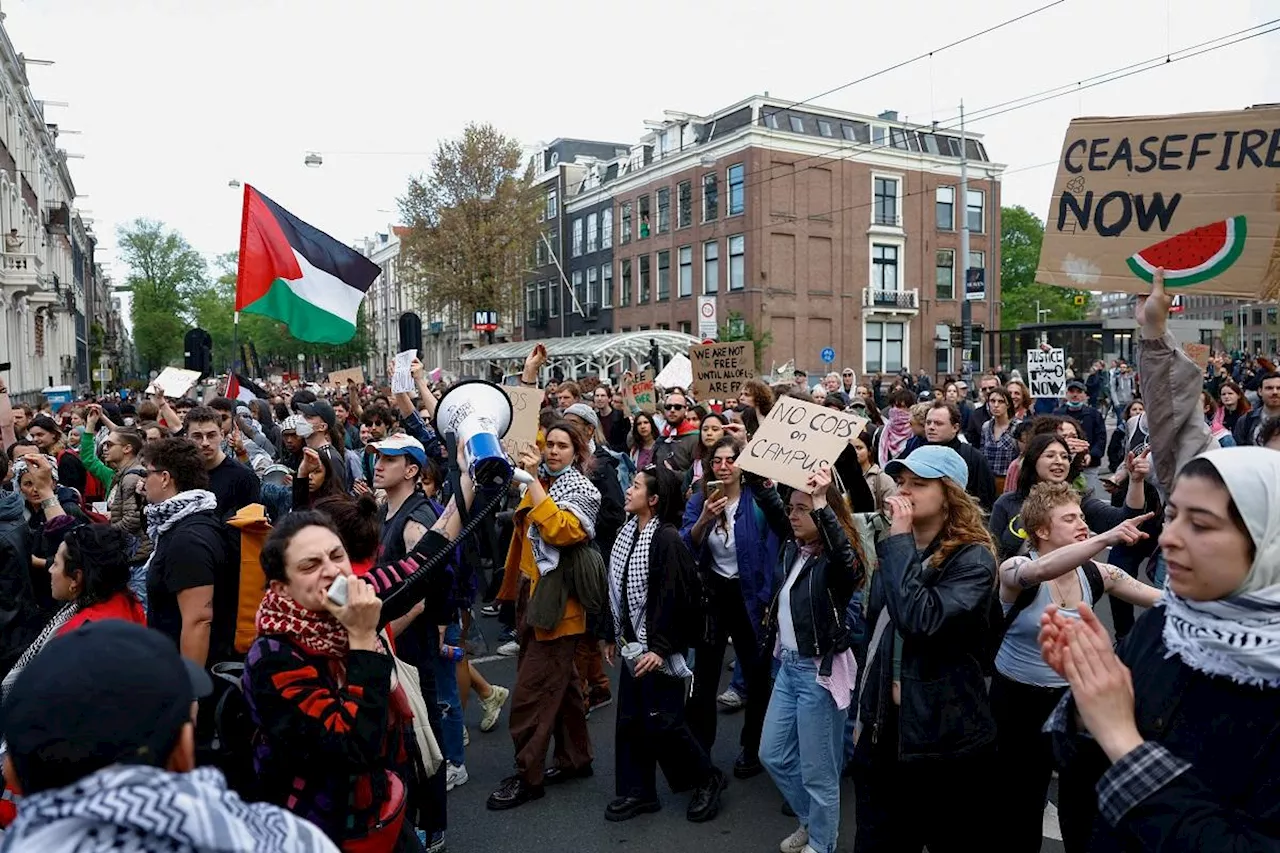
(1193, 256)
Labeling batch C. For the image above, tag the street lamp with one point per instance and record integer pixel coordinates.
(313, 160)
(234, 184)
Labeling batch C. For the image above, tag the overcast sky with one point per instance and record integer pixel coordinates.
(175, 98)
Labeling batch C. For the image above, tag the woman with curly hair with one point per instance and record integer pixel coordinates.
(1021, 403)
(756, 394)
(924, 719)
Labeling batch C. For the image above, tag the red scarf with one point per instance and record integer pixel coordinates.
(318, 633)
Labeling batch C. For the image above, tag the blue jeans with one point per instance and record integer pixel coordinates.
(449, 700)
(801, 748)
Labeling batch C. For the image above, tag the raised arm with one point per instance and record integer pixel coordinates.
(1020, 573)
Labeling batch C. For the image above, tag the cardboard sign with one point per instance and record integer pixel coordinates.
(1047, 373)
(639, 394)
(1199, 353)
(797, 439)
(526, 405)
(174, 382)
(340, 378)
(1197, 194)
(720, 369)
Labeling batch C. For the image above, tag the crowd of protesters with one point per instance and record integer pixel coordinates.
(919, 618)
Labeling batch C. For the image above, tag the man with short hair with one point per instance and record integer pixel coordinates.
(191, 588)
(942, 426)
(102, 753)
(613, 423)
(234, 485)
(980, 415)
(47, 435)
(1248, 429)
(567, 394)
(677, 438)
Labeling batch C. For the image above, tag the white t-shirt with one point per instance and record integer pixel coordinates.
(787, 628)
(724, 550)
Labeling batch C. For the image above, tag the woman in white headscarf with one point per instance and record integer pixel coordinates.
(1184, 717)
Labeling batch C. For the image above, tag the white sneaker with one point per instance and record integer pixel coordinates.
(509, 650)
(466, 736)
(456, 775)
(731, 700)
(796, 842)
(491, 707)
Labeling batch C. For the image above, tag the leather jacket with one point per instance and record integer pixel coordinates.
(822, 588)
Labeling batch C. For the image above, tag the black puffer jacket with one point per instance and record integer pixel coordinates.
(942, 613)
(821, 591)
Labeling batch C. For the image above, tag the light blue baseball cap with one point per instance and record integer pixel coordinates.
(932, 461)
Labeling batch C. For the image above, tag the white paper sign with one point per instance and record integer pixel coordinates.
(1047, 373)
(174, 382)
(401, 378)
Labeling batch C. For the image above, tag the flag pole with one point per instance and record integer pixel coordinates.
(235, 343)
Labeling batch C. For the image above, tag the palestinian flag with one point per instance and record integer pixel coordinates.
(295, 273)
(240, 388)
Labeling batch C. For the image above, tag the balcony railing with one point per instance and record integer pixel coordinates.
(893, 300)
(20, 270)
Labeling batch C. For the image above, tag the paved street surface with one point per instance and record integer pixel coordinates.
(571, 816)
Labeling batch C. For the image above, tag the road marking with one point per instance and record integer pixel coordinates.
(488, 658)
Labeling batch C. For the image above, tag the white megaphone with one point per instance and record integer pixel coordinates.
(479, 414)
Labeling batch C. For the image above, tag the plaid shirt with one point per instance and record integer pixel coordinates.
(1000, 452)
(1133, 778)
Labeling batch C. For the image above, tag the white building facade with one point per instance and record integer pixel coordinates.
(42, 287)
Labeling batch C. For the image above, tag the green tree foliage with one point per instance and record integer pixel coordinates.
(472, 222)
(1021, 234)
(213, 309)
(738, 329)
(164, 272)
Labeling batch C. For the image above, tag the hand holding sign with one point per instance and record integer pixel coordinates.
(797, 439)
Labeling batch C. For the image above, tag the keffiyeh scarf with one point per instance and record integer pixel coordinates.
(895, 435)
(62, 617)
(162, 516)
(572, 492)
(1238, 636)
(21, 466)
(318, 633)
(630, 558)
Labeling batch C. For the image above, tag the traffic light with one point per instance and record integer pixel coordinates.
(197, 352)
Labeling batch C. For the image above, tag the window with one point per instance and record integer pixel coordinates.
(542, 295)
(644, 280)
(882, 346)
(897, 138)
(686, 271)
(886, 201)
(856, 132)
(977, 260)
(1257, 317)
(737, 262)
(606, 228)
(540, 252)
(772, 120)
(644, 216)
(685, 326)
(553, 298)
(710, 198)
(624, 295)
(593, 232)
(797, 124)
(737, 189)
(946, 207)
(884, 267)
(606, 286)
(878, 134)
(579, 293)
(626, 222)
(684, 204)
(711, 267)
(945, 271)
(824, 128)
(577, 238)
(664, 210)
(530, 301)
(593, 286)
(975, 211)
(664, 276)
(553, 205)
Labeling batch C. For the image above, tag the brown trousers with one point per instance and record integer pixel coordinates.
(589, 662)
(547, 702)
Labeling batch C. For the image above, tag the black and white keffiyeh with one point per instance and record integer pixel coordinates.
(162, 516)
(572, 492)
(62, 617)
(629, 560)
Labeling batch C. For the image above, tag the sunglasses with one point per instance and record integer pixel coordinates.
(674, 407)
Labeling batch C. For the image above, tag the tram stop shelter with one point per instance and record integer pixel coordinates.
(585, 355)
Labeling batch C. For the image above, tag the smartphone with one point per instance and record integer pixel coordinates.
(715, 490)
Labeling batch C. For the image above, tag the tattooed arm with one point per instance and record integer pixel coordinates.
(1126, 588)
(1019, 573)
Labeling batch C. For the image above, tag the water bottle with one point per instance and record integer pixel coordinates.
(453, 653)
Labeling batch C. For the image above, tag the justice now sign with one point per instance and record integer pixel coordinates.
(1196, 194)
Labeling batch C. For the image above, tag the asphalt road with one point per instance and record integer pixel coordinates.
(571, 816)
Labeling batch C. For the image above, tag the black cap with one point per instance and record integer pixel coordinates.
(45, 423)
(110, 692)
(321, 409)
(1075, 385)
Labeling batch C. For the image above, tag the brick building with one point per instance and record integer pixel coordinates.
(814, 227)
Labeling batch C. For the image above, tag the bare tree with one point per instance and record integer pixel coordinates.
(472, 223)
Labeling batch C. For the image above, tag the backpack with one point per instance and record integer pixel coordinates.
(999, 621)
(234, 731)
(93, 488)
